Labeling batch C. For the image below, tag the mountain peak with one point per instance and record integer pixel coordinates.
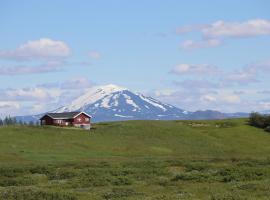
(92, 95)
(110, 88)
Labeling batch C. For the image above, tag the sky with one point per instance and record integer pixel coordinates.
(196, 55)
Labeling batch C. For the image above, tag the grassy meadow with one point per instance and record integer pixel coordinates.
(219, 159)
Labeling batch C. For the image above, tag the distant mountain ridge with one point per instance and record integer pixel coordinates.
(114, 103)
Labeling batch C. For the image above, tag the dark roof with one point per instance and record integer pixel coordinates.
(64, 115)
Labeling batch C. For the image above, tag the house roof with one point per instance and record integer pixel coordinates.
(64, 115)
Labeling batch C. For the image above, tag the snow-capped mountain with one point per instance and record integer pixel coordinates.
(113, 103)
(110, 103)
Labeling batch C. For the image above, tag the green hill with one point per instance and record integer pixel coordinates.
(222, 159)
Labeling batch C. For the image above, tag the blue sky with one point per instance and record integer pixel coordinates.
(192, 54)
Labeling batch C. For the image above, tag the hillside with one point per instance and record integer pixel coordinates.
(222, 159)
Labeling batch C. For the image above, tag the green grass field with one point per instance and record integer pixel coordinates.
(221, 159)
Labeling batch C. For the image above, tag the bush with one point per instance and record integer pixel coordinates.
(194, 176)
(258, 120)
(19, 181)
(119, 193)
(14, 193)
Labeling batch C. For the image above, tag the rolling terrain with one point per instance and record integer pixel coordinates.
(219, 159)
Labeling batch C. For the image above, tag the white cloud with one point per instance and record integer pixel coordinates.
(213, 34)
(43, 48)
(41, 98)
(230, 98)
(77, 83)
(94, 54)
(191, 44)
(265, 105)
(248, 74)
(30, 94)
(208, 98)
(254, 27)
(50, 66)
(9, 108)
(240, 77)
(202, 69)
(9, 104)
(245, 75)
(192, 98)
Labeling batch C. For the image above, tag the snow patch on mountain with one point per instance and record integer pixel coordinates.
(153, 102)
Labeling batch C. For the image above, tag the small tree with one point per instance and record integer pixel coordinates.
(7, 120)
(14, 121)
(1, 122)
(258, 120)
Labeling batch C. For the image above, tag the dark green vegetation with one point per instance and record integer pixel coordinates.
(260, 121)
(223, 159)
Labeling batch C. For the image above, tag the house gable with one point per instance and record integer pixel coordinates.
(82, 118)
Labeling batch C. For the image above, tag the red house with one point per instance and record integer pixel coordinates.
(77, 119)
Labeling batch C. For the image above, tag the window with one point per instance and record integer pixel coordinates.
(79, 119)
(87, 119)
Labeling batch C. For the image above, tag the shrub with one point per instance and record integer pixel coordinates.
(119, 193)
(61, 173)
(122, 180)
(225, 124)
(14, 193)
(194, 176)
(19, 181)
(241, 174)
(260, 121)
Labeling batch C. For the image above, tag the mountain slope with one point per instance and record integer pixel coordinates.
(111, 103)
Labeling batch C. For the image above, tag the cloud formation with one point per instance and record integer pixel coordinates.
(201, 69)
(250, 28)
(47, 67)
(213, 34)
(30, 94)
(207, 86)
(43, 97)
(191, 44)
(42, 49)
(9, 108)
(245, 75)
(248, 74)
(9, 104)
